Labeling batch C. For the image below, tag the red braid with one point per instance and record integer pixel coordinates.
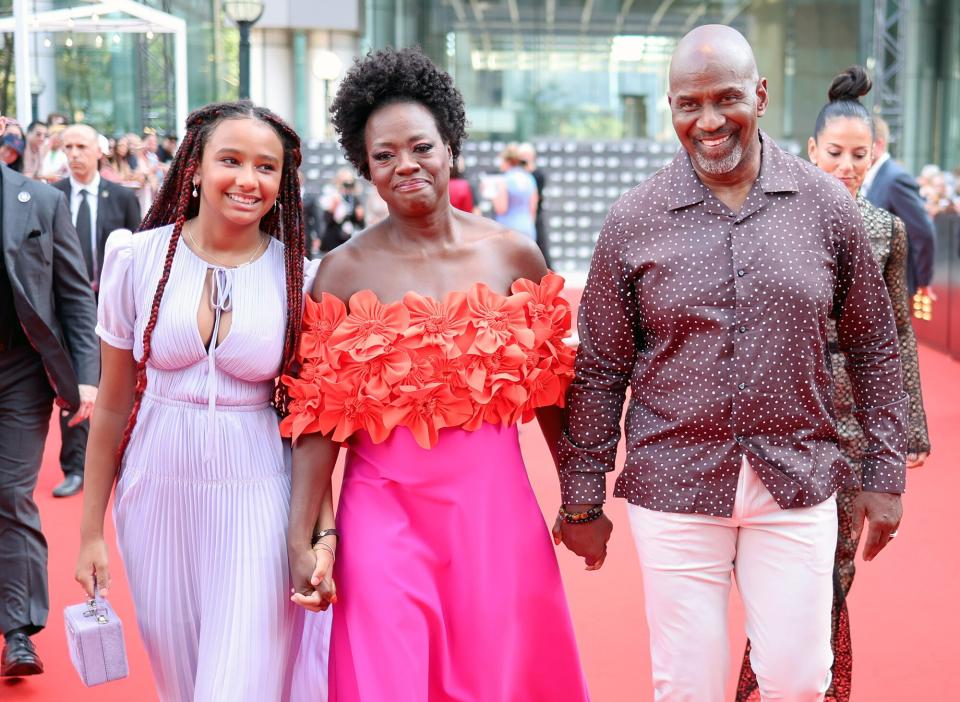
(175, 203)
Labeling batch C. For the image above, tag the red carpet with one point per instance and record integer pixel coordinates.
(904, 607)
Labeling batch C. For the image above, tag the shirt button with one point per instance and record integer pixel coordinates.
(741, 272)
(742, 386)
(742, 330)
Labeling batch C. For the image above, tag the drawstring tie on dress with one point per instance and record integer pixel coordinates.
(221, 300)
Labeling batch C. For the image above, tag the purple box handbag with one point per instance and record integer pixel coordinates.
(95, 638)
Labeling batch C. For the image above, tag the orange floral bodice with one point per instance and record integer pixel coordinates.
(426, 364)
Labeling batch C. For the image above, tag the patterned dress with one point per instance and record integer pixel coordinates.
(888, 240)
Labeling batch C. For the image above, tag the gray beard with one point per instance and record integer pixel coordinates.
(719, 166)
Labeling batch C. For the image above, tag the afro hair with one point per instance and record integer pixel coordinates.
(389, 76)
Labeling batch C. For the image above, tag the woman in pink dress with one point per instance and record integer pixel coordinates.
(427, 338)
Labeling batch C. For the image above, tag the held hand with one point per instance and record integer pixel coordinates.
(88, 396)
(92, 566)
(883, 512)
(312, 575)
(927, 291)
(915, 460)
(586, 540)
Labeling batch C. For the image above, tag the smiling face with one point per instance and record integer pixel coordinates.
(239, 175)
(408, 159)
(716, 98)
(844, 149)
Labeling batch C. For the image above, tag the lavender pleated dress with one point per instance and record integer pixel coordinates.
(202, 505)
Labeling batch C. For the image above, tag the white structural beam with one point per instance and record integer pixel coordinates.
(21, 57)
(91, 19)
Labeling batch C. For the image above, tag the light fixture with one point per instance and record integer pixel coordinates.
(69, 42)
(244, 13)
(98, 41)
(116, 39)
(243, 10)
(149, 35)
(327, 65)
(47, 43)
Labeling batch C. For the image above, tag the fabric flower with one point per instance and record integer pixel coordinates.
(485, 373)
(544, 389)
(426, 410)
(306, 406)
(434, 323)
(348, 408)
(320, 319)
(498, 320)
(546, 310)
(378, 374)
(370, 326)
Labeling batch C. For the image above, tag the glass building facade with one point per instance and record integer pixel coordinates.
(592, 69)
(123, 82)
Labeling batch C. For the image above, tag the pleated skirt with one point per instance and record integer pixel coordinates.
(447, 581)
(203, 538)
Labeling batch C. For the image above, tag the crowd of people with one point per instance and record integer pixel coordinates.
(137, 162)
(775, 402)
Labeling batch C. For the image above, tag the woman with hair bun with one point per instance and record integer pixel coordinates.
(428, 337)
(842, 145)
(199, 313)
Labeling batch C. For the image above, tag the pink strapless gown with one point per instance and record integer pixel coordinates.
(447, 579)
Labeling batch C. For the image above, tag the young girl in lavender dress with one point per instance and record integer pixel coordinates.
(199, 312)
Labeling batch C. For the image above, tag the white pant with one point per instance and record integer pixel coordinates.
(783, 562)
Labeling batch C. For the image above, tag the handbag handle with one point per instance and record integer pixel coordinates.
(93, 610)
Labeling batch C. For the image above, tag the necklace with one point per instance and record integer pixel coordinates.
(216, 260)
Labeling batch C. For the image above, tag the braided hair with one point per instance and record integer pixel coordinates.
(174, 203)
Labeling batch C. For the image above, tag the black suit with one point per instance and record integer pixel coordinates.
(50, 297)
(117, 208)
(895, 190)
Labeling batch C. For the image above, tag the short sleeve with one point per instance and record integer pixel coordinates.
(310, 268)
(116, 309)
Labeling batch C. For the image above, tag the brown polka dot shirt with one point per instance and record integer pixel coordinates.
(717, 322)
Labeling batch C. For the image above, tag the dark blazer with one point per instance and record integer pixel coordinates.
(50, 289)
(895, 190)
(117, 208)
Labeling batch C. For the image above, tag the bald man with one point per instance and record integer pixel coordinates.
(709, 295)
(97, 207)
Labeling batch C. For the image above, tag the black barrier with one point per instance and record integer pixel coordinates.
(942, 331)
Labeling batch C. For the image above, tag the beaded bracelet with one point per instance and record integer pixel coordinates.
(591, 514)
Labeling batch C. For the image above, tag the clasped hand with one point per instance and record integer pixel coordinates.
(589, 541)
(312, 574)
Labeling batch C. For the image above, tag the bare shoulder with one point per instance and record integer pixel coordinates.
(335, 271)
(524, 256)
(347, 268)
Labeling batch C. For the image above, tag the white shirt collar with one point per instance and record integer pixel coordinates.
(872, 171)
(93, 187)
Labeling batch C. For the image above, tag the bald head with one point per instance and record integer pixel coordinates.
(713, 46)
(81, 144)
(716, 98)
